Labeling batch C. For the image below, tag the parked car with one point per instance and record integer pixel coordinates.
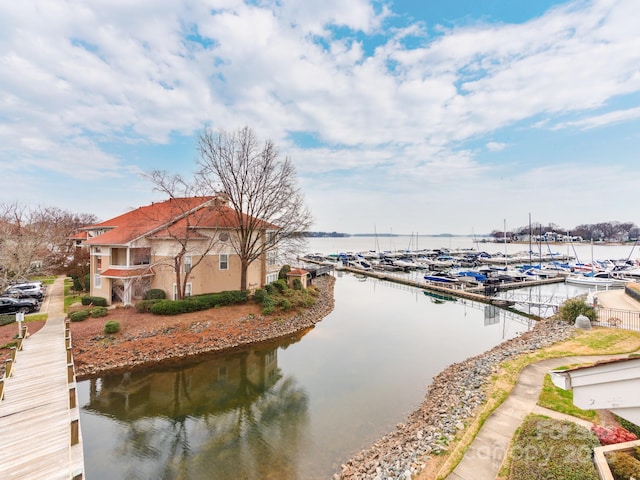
(14, 305)
(34, 289)
(16, 292)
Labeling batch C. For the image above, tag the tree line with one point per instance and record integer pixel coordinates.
(37, 240)
(612, 231)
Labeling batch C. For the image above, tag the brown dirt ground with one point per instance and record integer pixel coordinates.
(147, 338)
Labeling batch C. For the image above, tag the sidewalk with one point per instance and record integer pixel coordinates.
(484, 456)
(617, 299)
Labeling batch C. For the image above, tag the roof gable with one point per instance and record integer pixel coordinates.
(170, 219)
(143, 220)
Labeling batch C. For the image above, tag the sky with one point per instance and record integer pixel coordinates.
(439, 116)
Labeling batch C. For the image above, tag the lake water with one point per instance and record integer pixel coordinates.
(293, 409)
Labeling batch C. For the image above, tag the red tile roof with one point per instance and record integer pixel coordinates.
(168, 219)
(297, 272)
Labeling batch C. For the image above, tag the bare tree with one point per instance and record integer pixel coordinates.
(36, 239)
(262, 190)
(185, 229)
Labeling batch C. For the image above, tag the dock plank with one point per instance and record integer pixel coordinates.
(35, 418)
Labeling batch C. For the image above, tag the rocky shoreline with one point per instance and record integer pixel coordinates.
(452, 399)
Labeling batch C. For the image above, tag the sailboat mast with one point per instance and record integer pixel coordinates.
(506, 263)
(530, 252)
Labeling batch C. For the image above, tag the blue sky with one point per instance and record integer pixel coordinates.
(412, 117)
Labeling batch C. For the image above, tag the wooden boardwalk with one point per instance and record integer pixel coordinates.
(39, 417)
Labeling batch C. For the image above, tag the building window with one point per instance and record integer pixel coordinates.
(224, 261)
(97, 280)
(187, 263)
(272, 257)
(271, 277)
(187, 291)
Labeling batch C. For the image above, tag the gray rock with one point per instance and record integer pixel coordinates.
(583, 322)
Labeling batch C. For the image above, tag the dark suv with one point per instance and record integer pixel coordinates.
(14, 305)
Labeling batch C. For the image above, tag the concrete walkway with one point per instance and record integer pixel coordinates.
(484, 456)
(617, 299)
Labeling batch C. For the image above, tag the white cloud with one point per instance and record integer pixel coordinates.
(602, 120)
(73, 80)
(496, 146)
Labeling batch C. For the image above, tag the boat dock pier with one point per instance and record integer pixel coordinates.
(482, 294)
(39, 413)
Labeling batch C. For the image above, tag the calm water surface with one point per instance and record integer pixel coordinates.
(293, 410)
(298, 408)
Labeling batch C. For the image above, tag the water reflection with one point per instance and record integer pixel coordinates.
(230, 417)
(297, 412)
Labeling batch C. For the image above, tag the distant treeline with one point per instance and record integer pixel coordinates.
(598, 232)
(324, 234)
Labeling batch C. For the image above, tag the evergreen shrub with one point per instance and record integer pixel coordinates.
(154, 294)
(197, 302)
(79, 315)
(6, 319)
(144, 306)
(111, 327)
(260, 295)
(280, 285)
(572, 308)
(96, 301)
(282, 274)
(97, 312)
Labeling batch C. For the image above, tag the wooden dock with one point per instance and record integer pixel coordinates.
(476, 294)
(39, 415)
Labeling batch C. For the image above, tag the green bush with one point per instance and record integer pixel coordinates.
(95, 301)
(87, 283)
(197, 302)
(144, 306)
(260, 295)
(77, 284)
(281, 285)
(6, 319)
(168, 307)
(79, 315)
(297, 284)
(282, 274)
(154, 294)
(271, 289)
(268, 309)
(623, 465)
(285, 304)
(97, 312)
(111, 327)
(572, 308)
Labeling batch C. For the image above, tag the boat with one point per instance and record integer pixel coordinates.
(359, 264)
(598, 279)
(441, 278)
(472, 274)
